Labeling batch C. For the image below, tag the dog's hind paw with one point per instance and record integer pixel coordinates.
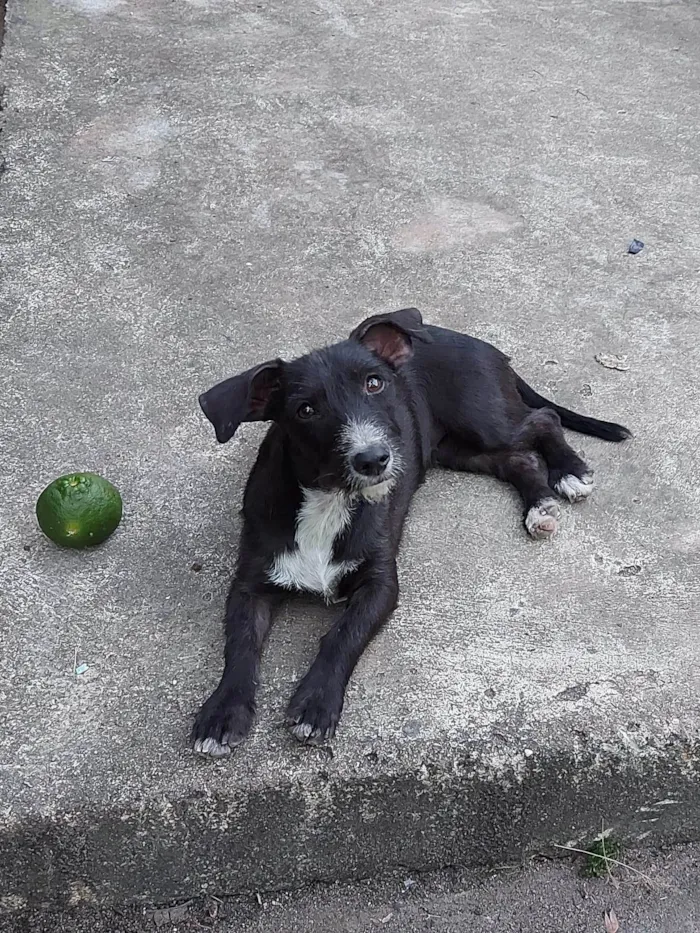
(574, 488)
(541, 520)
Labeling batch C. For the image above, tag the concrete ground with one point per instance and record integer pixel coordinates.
(659, 892)
(193, 187)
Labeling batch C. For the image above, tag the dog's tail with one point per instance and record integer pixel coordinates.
(607, 430)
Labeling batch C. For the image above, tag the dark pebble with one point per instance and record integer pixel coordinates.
(631, 570)
(636, 246)
(196, 567)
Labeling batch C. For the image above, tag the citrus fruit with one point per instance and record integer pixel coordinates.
(79, 510)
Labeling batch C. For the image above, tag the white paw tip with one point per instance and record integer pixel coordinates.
(303, 731)
(575, 488)
(308, 734)
(541, 519)
(211, 747)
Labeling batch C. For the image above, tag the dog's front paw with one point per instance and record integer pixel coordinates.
(314, 710)
(222, 723)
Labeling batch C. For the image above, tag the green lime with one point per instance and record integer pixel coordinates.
(79, 510)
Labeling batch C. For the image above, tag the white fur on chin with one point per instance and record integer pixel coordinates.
(377, 492)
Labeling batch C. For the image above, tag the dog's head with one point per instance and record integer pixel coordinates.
(337, 407)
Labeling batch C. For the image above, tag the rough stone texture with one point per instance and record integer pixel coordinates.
(193, 187)
(658, 892)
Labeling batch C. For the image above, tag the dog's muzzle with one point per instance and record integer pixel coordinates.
(372, 464)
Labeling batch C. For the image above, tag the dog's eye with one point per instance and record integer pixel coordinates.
(374, 384)
(305, 411)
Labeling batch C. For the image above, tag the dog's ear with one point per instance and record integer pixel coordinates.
(255, 395)
(391, 336)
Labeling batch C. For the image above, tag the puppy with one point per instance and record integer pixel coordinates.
(354, 428)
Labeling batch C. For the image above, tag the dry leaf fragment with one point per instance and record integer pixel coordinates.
(611, 922)
(610, 361)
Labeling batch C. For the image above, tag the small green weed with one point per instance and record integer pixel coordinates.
(601, 857)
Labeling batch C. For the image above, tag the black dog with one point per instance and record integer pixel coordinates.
(356, 425)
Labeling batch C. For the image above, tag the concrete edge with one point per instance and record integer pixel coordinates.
(441, 813)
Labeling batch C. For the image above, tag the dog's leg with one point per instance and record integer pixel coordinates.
(523, 469)
(227, 716)
(569, 475)
(315, 708)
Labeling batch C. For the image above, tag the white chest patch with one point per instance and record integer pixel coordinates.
(323, 516)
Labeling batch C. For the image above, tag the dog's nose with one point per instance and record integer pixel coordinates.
(372, 460)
